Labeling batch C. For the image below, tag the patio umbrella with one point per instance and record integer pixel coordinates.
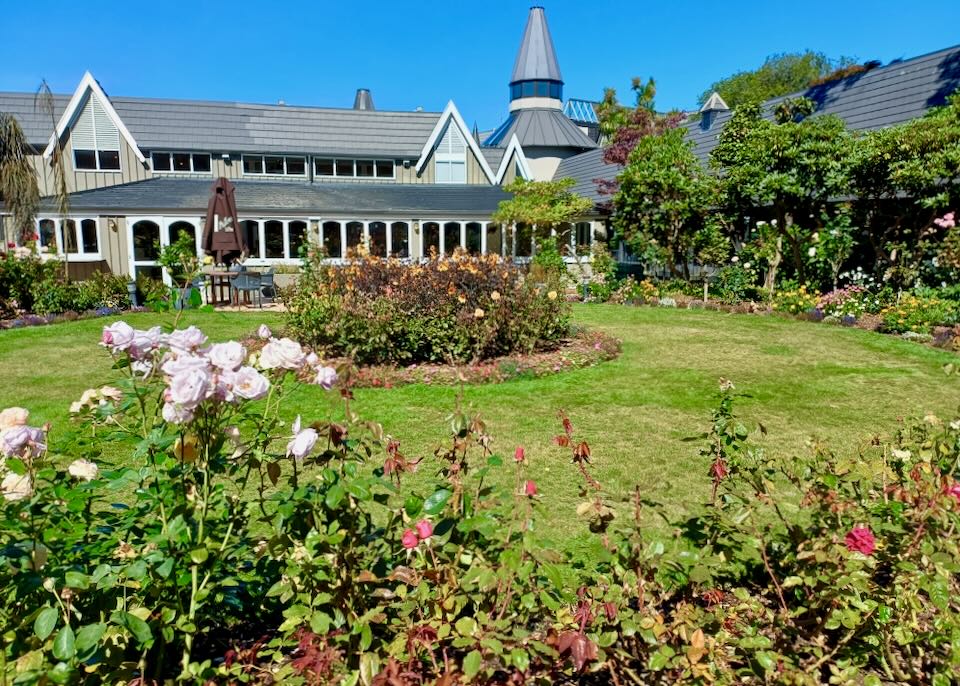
(221, 232)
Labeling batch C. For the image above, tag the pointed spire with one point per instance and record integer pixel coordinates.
(537, 59)
(714, 104)
(363, 100)
(476, 132)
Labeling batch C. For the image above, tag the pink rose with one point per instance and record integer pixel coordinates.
(530, 489)
(118, 336)
(302, 442)
(954, 490)
(186, 340)
(228, 356)
(174, 364)
(188, 388)
(861, 540)
(146, 342)
(282, 354)
(410, 540)
(326, 377)
(17, 440)
(424, 529)
(249, 384)
(519, 455)
(176, 415)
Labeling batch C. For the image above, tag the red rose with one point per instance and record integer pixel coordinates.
(424, 529)
(861, 540)
(530, 489)
(519, 454)
(410, 539)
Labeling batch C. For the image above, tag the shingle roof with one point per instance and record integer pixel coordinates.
(540, 128)
(537, 58)
(242, 127)
(884, 96)
(170, 194)
(584, 169)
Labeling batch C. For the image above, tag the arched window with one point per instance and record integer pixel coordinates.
(181, 228)
(273, 238)
(584, 235)
(451, 237)
(400, 239)
(474, 237)
(354, 235)
(431, 239)
(378, 238)
(48, 234)
(70, 236)
(146, 241)
(297, 231)
(88, 236)
(251, 236)
(332, 246)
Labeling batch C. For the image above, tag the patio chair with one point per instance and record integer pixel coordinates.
(245, 282)
(267, 288)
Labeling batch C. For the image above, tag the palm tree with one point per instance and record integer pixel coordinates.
(18, 180)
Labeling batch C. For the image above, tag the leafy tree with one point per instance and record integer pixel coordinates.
(664, 191)
(544, 204)
(624, 126)
(780, 74)
(18, 180)
(794, 165)
(905, 176)
(710, 247)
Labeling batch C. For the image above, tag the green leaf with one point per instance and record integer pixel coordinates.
(136, 626)
(520, 659)
(358, 491)
(765, 660)
(413, 505)
(199, 555)
(77, 580)
(434, 504)
(334, 496)
(466, 626)
(88, 636)
(471, 663)
(45, 622)
(64, 645)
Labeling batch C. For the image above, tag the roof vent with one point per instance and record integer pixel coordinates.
(363, 101)
(281, 102)
(710, 108)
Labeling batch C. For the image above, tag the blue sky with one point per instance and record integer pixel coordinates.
(424, 53)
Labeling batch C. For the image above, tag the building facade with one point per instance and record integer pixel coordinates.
(139, 170)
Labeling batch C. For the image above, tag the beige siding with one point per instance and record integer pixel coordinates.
(475, 173)
(113, 243)
(511, 173)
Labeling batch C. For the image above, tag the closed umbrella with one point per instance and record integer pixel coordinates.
(221, 232)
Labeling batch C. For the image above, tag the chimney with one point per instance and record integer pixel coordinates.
(363, 101)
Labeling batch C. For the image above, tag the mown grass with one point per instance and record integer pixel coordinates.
(806, 382)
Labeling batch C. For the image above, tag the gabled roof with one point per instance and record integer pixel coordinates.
(540, 127)
(714, 103)
(884, 96)
(452, 116)
(159, 124)
(537, 58)
(267, 198)
(89, 88)
(513, 153)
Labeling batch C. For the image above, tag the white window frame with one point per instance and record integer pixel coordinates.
(263, 165)
(96, 156)
(192, 172)
(59, 225)
(96, 143)
(353, 164)
(288, 258)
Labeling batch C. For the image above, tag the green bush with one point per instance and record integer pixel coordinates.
(919, 312)
(30, 284)
(236, 549)
(458, 308)
(20, 276)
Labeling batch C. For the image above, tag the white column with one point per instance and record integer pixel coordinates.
(343, 239)
(286, 238)
(483, 238)
(389, 232)
(463, 235)
(442, 230)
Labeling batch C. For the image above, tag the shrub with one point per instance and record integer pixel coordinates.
(737, 282)
(919, 313)
(20, 274)
(793, 299)
(458, 308)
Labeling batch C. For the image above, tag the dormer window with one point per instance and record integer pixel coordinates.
(95, 139)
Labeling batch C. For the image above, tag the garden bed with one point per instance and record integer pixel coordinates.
(584, 348)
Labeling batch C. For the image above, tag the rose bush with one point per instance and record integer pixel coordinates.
(448, 308)
(237, 549)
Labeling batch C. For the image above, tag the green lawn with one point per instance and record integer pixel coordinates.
(805, 381)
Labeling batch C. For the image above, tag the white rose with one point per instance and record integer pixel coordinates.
(264, 332)
(84, 470)
(145, 342)
(227, 356)
(178, 364)
(249, 384)
(13, 416)
(16, 487)
(283, 353)
(186, 340)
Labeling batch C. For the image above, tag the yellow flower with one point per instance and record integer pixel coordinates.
(495, 296)
(478, 313)
(186, 449)
(552, 295)
(208, 259)
(461, 299)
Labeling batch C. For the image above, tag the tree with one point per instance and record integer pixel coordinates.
(664, 192)
(18, 180)
(542, 206)
(624, 126)
(780, 74)
(905, 176)
(794, 165)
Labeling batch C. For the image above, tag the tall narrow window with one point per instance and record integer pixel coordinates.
(431, 239)
(273, 239)
(451, 237)
(400, 239)
(474, 237)
(378, 238)
(354, 235)
(332, 246)
(251, 236)
(70, 236)
(297, 231)
(88, 236)
(95, 138)
(146, 241)
(48, 234)
(584, 234)
(451, 156)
